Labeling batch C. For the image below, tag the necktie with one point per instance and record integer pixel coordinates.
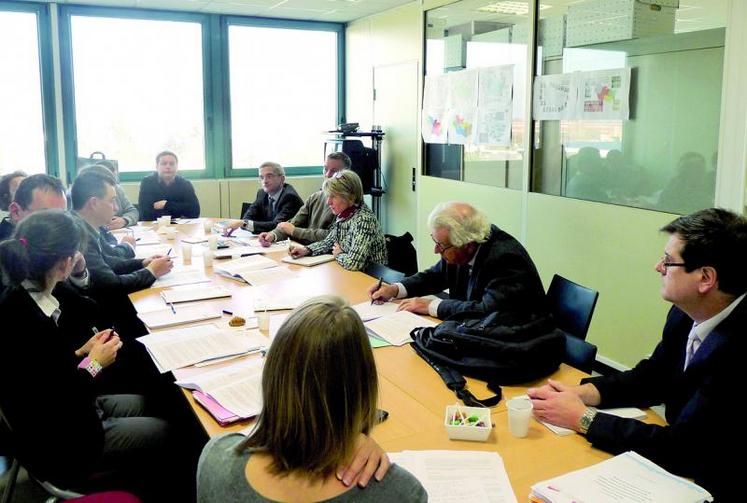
(693, 343)
(272, 206)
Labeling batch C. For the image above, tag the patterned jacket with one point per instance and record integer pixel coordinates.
(360, 238)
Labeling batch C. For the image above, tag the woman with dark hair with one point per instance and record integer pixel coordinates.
(319, 390)
(8, 185)
(62, 431)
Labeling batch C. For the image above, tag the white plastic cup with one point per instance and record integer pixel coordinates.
(187, 253)
(263, 322)
(170, 232)
(164, 221)
(207, 258)
(519, 412)
(213, 241)
(207, 226)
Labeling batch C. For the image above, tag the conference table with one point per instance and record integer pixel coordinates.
(410, 390)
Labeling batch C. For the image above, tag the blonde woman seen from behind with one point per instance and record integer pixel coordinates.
(320, 391)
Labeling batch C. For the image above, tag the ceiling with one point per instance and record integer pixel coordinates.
(340, 11)
(692, 15)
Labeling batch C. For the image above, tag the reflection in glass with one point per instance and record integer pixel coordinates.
(664, 156)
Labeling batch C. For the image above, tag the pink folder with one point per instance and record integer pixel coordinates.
(222, 415)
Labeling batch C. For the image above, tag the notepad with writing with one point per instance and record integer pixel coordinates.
(309, 261)
(235, 268)
(192, 293)
(181, 315)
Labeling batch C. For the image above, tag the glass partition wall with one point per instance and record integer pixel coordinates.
(625, 103)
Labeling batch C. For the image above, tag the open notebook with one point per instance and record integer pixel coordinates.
(309, 261)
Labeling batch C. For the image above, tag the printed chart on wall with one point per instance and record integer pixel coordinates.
(469, 107)
(604, 94)
(555, 97)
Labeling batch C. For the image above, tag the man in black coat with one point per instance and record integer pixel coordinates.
(166, 193)
(695, 370)
(276, 202)
(485, 269)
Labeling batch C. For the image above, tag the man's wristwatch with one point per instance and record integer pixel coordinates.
(585, 421)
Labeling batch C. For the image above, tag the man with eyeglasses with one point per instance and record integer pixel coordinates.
(313, 220)
(276, 202)
(485, 269)
(696, 369)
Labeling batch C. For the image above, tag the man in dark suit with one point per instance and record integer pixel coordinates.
(166, 193)
(695, 370)
(485, 269)
(276, 202)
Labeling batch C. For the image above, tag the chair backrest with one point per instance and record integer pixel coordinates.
(244, 208)
(401, 253)
(572, 305)
(579, 353)
(388, 274)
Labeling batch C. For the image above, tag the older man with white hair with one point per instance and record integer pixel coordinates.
(485, 269)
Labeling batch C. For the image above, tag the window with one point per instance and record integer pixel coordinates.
(22, 144)
(662, 155)
(461, 37)
(138, 90)
(284, 93)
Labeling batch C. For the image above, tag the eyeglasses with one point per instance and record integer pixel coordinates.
(665, 262)
(440, 247)
(268, 175)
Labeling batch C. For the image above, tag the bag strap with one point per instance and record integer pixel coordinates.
(456, 382)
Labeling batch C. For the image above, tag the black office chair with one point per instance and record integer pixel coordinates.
(401, 253)
(387, 274)
(579, 353)
(571, 305)
(244, 209)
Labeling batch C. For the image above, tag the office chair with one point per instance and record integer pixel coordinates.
(401, 253)
(579, 353)
(571, 305)
(387, 274)
(244, 208)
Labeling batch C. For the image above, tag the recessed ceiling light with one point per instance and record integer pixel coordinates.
(509, 7)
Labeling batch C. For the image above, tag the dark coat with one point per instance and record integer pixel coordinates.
(262, 215)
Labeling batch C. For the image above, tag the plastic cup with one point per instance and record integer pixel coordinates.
(170, 232)
(519, 412)
(187, 252)
(164, 221)
(213, 241)
(207, 226)
(207, 258)
(263, 322)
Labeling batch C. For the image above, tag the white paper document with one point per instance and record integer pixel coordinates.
(269, 275)
(234, 268)
(150, 250)
(368, 311)
(238, 251)
(309, 261)
(179, 316)
(395, 328)
(173, 349)
(626, 478)
(458, 476)
(192, 293)
(237, 387)
(194, 239)
(181, 277)
(146, 237)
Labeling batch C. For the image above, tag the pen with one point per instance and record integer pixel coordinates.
(94, 330)
(171, 305)
(377, 289)
(169, 252)
(226, 311)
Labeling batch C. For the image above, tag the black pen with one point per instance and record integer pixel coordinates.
(168, 252)
(228, 312)
(381, 278)
(171, 305)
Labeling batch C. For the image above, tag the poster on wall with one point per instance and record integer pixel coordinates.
(462, 126)
(434, 125)
(494, 106)
(436, 92)
(555, 97)
(603, 95)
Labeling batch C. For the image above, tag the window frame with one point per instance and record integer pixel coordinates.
(68, 89)
(46, 78)
(258, 22)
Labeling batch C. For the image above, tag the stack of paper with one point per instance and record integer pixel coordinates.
(395, 328)
(171, 317)
(238, 251)
(236, 387)
(309, 261)
(627, 478)
(235, 269)
(191, 293)
(458, 476)
(173, 349)
(181, 277)
(268, 276)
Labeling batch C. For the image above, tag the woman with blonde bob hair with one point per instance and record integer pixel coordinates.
(320, 391)
(355, 238)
